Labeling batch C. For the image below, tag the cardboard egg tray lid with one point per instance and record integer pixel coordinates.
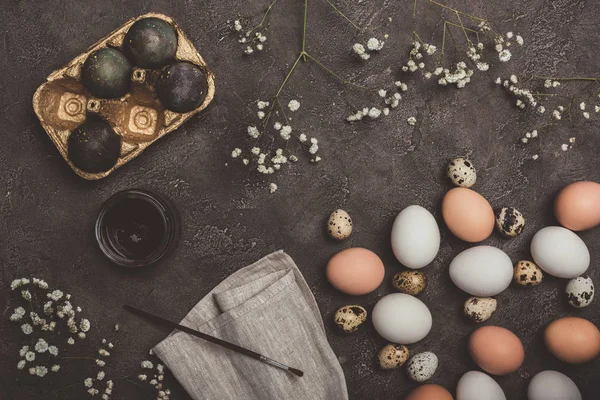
(62, 103)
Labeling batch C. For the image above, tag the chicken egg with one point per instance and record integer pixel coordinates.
(468, 214)
(577, 206)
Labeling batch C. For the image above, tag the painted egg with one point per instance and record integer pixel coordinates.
(560, 252)
(573, 340)
(526, 273)
(401, 318)
(393, 356)
(355, 271)
(481, 271)
(422, 366)
(496, 350)
(473, 384)
(580, 291)
(350, 318)
(577, 206)
(552, 385)
(415, 237)
(462, 172)
(339, 225)
(410, 282)
(429, 392)
(468, 214)
(480, 309)
(510, 222)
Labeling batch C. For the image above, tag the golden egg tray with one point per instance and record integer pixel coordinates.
(62, 103)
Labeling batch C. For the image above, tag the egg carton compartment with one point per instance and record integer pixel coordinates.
(63, 103)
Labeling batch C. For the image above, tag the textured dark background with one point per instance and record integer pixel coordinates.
(371, 169)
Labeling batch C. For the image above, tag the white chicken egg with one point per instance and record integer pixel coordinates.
(415, 237)
(475, 385)
(401, 318)
(482, 271)
(560, 252)
(552, 385)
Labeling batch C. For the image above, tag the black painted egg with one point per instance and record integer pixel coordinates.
(106, 73)
(182, 87)
(94, 146)
(150, 43)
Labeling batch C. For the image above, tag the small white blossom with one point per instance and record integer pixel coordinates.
(41, 346)
(27, 329)
(262, 104)
(23, 351)
(18, 283)
(253, 132)
(382, 93)
(535, 156)
(53, 350)
(277, 126)
(103, 352)
(386, 111)
(519, 40)
(17, 314)
(93, 391)
(21, 364)
(272, 187)
(582, 106)
(147, 364)
(505, 55)
(41, 371)
(88, 382)
(55, 295)
(303, 138)
(586, 115)
(236, 152)
(85, 325)
(541, 109)
(374, 44)
(294, 105)
(245, 161)
(498, 81)
(30, 356)
(100, 376)
(237, 25)
(411, 121)
(556, 114)
(374, 113)
(438, 71)
(509, 35)
(71, 341)
(313, 148)
(40, 283)
(249, 50)
(255, 150)
(514, 79)
(259, 46)
(26, 295)
(571, 140)
(564, 147)
(597, 108)
(55, 368)
(142, 377)
(483, 66)
(358, 48)
(260, 114)
(498, 47)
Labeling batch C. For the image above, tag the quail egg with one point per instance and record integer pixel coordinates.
(422, 366)
(462, 172)
(410, 282)
(339, 225)
(480, 309)
(510, 222)
(350, 318)
(393, 356)
(580, 291)
(526, 273)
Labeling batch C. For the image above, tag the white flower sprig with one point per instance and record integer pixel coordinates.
(41, 323)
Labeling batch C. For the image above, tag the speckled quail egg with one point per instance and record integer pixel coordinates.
(526, 273)
(350, 318)
(462, 172)
(580, 291)
(410, 282)
(480, 309)
(422, 366)
(510, 222)
(393, 356)
(339, 225)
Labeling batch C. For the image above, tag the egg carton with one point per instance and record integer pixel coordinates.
(62, 103)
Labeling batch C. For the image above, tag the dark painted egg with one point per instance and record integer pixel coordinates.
(150, 43)
(182, 87)
(94, 146)
(106, 73)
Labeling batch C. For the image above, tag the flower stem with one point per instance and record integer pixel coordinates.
(456, 11)
(303, 53)
(260, 25)
(574, 78)
(333, 73)
(346, 18)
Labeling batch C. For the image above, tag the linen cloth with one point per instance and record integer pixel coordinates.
(266, 307)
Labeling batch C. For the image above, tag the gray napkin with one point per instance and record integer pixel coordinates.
(266, 307)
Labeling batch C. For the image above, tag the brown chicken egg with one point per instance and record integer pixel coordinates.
(429, 392)
(577, 206)
(468, 214)
(355, 271)
(496, 350)
(573, 340)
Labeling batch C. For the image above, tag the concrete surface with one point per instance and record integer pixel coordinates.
(371, 169)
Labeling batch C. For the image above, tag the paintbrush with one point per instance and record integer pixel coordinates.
(212, 339)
